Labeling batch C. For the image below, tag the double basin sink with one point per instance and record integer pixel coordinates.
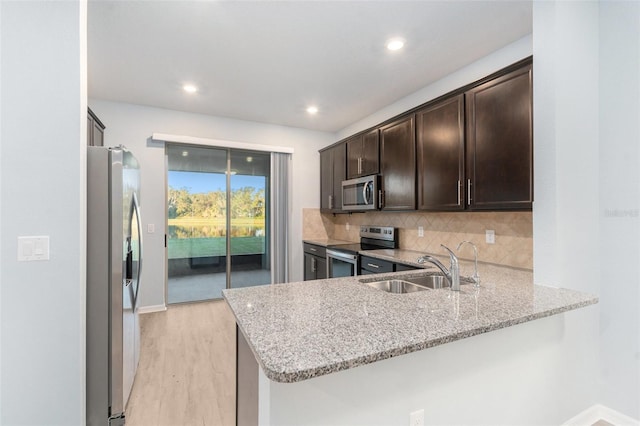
(415, 284)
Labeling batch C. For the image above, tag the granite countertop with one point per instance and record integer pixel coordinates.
(307, 329)
(326, 242)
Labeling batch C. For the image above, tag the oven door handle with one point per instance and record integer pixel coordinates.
(342, 256)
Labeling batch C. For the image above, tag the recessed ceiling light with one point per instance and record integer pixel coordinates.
(189, 88)
(395, 44)
(185, 153)
(312, 110)
(249, 159)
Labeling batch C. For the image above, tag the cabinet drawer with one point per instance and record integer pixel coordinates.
(315, 250)
(375, 265)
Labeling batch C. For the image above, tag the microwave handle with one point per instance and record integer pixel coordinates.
(367, 190)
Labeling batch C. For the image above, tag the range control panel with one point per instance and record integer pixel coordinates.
(387, 233)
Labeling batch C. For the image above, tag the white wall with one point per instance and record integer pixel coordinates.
(619, 182)
(489, 64)
(586, 95)
(42, 175)
(529, 374)
(133, 125)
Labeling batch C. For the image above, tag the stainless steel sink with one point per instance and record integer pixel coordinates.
(396, 286)
(431, 281)
(413, 284)
(436, 281)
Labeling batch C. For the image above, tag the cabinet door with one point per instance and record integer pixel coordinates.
(440, 145)
(321, 268)
(326, 180)
(89, 130)
(332, 173)
(309, 273)
(339, 159)
(98, 135)
(95, 130)
(370, 163)
(354, 157)
(315, 268)
(398, 164)
(500, 143)
(363, 155)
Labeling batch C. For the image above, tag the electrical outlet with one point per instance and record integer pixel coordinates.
(151, 228)
(420, 231)
(416, 418)
(348, 226)
(490, 236)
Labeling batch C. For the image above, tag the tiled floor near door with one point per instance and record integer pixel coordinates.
(192, 288)
(186, 374)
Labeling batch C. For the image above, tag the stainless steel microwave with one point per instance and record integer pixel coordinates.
(360, 193)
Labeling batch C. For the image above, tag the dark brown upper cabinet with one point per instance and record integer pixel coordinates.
(440, 149)
(363, 154)
(95, 130)
(332, 173)
(398, 164)
(499, 164)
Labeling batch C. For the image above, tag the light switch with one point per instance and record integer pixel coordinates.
(33, 248)
(420, 231)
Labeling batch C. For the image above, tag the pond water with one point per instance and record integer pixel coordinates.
(180, 231)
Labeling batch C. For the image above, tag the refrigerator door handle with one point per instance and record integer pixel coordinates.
(136, 211)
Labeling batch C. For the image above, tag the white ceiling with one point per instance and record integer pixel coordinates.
(266, 61)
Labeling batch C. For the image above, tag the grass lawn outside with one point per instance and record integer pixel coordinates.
(184, 248)
(207, 246)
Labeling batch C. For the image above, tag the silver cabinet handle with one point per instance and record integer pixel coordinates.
(380, 198)
(359, 165)
(312, 249)
(330, 201)
(313, 265)
(373, 265)
(459, 192)
(469, 191)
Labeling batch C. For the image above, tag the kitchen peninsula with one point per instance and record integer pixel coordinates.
(421, 348)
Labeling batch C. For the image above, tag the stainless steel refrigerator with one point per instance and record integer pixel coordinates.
(114, 264)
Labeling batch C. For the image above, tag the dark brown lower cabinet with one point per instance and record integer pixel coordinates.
(500, 143)
(440, 146)
(315, 262)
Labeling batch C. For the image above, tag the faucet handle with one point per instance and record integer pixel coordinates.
(452, 255)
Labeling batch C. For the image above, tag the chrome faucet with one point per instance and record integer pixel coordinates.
(453, 274)
(476, 276)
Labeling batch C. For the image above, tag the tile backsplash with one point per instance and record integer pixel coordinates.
(513, 232)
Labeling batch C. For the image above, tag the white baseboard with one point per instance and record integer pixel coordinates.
(152, 308)
(600, 412)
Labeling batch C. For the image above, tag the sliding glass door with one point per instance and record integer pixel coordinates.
(217, 216)
(249, 231)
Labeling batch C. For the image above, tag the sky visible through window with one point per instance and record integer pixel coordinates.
(198, 183)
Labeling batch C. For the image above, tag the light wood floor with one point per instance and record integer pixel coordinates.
(186, 374)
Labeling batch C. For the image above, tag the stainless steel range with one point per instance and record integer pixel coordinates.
(343, 259)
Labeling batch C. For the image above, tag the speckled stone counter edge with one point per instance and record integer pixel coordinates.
(298, 374)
